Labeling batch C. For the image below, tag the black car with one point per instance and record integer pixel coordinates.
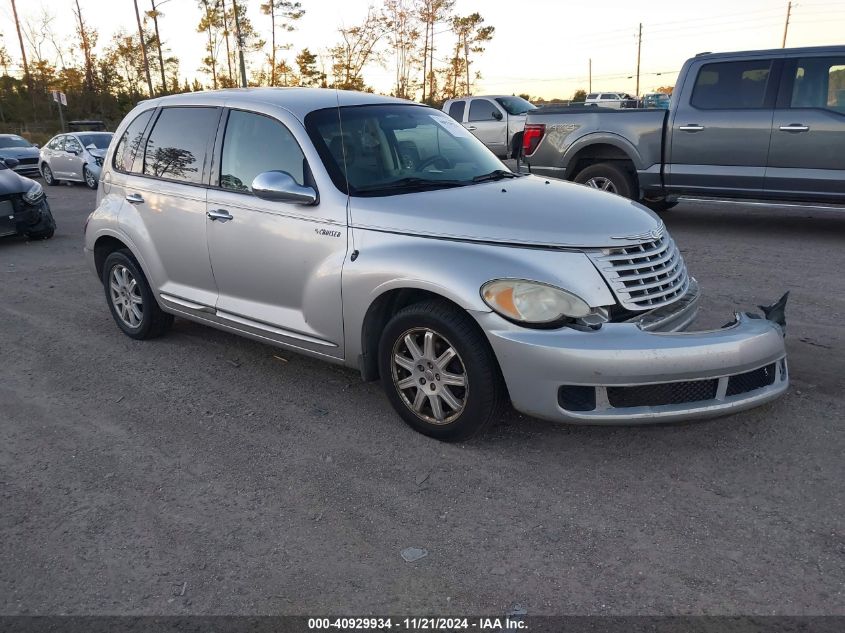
(23, 205)
(17, 147)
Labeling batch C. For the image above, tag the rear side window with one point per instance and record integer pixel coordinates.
(130, 141)
(481, 110)
(255, 143)
(732, 85)
(819, 83)
(593, 95)
(456, 110)
(178, 142)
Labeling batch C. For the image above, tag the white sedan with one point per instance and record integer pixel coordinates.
(74, 157)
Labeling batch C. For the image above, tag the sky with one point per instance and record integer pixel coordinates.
(540, 47)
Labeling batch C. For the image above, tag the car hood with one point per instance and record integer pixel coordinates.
(10, 182)
(527, 210)
(19, 152)
(99, 153)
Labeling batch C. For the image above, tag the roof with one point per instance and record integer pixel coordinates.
(776, 52)
(299, 101)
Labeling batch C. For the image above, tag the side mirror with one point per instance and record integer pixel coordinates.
(279, 186)
(36, 145)
(11, 163)
(497, 115)
(72, 151)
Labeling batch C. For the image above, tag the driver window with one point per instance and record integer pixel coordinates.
(482, 110)
(253, 144)
(71, 145)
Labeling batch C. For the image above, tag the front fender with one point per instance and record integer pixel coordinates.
(452, 269)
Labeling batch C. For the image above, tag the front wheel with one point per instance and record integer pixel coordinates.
(439, 371)
(130, 298)
(90, 181)
(608, 177)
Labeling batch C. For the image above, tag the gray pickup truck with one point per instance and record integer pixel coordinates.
(756, 124)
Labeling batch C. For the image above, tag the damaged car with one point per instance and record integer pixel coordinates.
(23, 205)
(382, 235)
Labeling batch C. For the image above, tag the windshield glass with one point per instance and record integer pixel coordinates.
(384, 150)
(14, 141)
(515, 105)
(100, 141)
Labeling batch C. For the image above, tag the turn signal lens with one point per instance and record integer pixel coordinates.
(532, 301)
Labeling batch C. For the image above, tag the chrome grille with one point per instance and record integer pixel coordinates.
(644, 276)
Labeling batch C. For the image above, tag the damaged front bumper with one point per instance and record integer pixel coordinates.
(640, 372)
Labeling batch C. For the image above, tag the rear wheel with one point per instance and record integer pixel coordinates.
(439, 371)
(130, 298)
(608, 177)
(47, 174)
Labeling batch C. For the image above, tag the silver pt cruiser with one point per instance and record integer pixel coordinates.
(381, 235)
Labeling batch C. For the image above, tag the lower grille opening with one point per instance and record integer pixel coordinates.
(751, 380)
(577, 398)
(663, 393)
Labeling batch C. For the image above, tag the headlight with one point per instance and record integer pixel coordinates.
(34, 195)
(532, 301)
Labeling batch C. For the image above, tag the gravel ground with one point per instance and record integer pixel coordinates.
(205, 473)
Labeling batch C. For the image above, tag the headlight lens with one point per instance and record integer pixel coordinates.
(34, 194)
(532, 301)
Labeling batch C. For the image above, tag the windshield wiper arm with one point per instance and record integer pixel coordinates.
(410, 183)
(496, 174)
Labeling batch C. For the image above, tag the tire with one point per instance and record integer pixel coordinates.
(45, 228)
(47, 175)
(660, 206)
(609, 177)
(119, 270)
(470, 378)
(516, 145)
(88, 177)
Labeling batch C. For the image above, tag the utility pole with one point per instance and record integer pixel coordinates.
(466, 57)
(590, 80)
(786, 25)
(240, 44)
(144, 49)
(639, 48)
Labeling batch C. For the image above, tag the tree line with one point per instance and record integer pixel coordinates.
(429, 48)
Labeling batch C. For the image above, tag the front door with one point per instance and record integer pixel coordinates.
(807, 156)
(720, 131)
(277, 265)
(486, 122)
(72, 159)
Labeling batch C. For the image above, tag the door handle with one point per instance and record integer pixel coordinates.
(691, 127)
(794, 127)
(471, 128)
(134, 198)
(219, 214)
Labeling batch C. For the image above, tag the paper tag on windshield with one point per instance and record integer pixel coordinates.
(450, 125)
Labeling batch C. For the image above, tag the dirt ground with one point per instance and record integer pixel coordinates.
(199, 473)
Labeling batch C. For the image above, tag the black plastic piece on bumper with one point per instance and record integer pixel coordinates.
(662, 394)
(577, 398)
(751, 380)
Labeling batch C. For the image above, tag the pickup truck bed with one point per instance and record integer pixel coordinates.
(755, 124)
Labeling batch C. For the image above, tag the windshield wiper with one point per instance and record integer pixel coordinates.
(496, 174)
(411, 183)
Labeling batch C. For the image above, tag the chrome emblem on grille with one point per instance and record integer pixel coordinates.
(653, 235)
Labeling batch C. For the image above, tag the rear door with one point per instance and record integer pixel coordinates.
(484, 124)
(164, 200)
(277, 264)
(807, 156)
(719, 136)
(457, 109)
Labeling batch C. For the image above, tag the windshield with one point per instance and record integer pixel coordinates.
(14, 141)
(515, 105)
(100, 141)
(381, 150)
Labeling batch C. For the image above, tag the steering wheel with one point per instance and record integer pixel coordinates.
(444, 163)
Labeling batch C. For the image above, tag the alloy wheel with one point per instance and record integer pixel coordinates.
(126, 296)
(600, 182)
(47, 173)
(429, 376)
(89, 179)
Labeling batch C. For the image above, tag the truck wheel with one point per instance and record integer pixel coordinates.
(130, 298)
(516, 145)
(439, 371)
(608, 177)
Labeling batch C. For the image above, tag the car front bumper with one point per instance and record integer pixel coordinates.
(624, 373)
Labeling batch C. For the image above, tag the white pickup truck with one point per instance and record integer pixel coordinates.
(495, 120)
